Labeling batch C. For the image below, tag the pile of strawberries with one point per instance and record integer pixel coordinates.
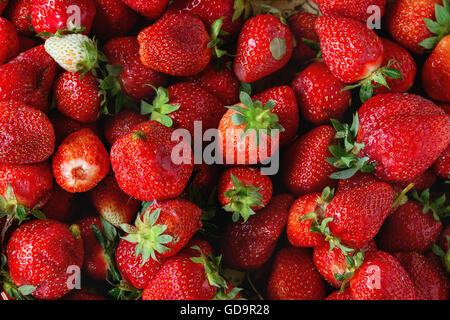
(95, 205)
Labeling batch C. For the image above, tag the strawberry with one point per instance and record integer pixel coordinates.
(182, 104)
(442, 165)
(151, 9)
(28, 78)
(9, 41)
(429, 282)
(3, 5)
(338, 295)
(356, 9)
(273, 42)
(63, 126)
(60, 206)
(30, 136)
(112, 19)
(122, 124)
(80, 162)
(421, 182)
(59, 14)
(26, 43)
(112, 203)
(358, 180)
(304, 166)
(196, 241)
(150, 173)
(19, 14)
(40, 254)
(135, 77)
(302, 27)
(248, 245)
(222, 83)
(436, 71)
(206, 177)
(176, 44)
(78, 97)
(320, 94)
(382, 277)
(294, 277)
(244, 190)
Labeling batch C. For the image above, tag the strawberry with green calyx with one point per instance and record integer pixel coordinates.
(111, 89)
(437, 206)
(217, 42)
(10, 290)
(160, 107)
(439, 28)
(441, 250)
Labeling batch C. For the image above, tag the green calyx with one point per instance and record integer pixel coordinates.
(257, 117)
(402, 197)
(19, 293)
(94, 56)
(352, 262)
(319, 213)
(148, 236)
(212, 268)
(437, 206)
(125, 291)
(379, 78)
(242, 199)
(112, 90)
(216, 42)
(242, 8)
(346, 151)
(440, 28)
(444, 256)
(160, 107)
(61, 32)
(314, 46)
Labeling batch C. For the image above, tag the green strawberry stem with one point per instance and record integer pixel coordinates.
(252, 285)
(212, 268)
(352, 263)
(440, 28)
(160, 107)
(402, 198)
(444, 256)
(216, 42)
(437, 206)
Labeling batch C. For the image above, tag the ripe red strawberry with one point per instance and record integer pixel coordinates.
(244, 190)
(204, 246)
(320, 94)
(265, 45)
(135, 77)
(358, 180)
(31, 184)
(112, 19)
(302, 27)
(29, 136)
(9, 41)
(338, 295)
(430, 283)
(304, 166)
(78, 97)
(150, 173)
(3, 5)
(122, 124)
(442, 165)
(359, 213)
(206, 177)
(176, 44)
(57, 15)
(63, 126)
(112, 203)
(19, 14)
(294, 277)
(28, 78)
(40, 253)
(356, 9)
(436, 72)
(222, 83)
(248, 245)
(350, 50)
(151, 9)
(80, 162)
(382, 277)
(61, 205)
(421, 182)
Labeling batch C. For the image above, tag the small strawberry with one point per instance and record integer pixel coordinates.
(78, 97)
(80, 162)
(63, 126)
(248, 245)
(19, 14)
(265, 45)
(40, 254)
(122, 124)
(356, 9)
(61, 205)
(143, 165)
(9, 41)
(176, 44)
(151, 9)
(29, 135)
(320, 94)
(112, 19)
(302, 27)
(294, 277)
(112, 203)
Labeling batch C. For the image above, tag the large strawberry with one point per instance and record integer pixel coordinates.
(150, 173)
(151, 9)
(43, 254)
(294, 276)
(112, 19)
(122, 124)
(302, 27)
(80, 162)
(9, 41)
(176, 44)
(265, 45)
(361, 10)
(29, 136)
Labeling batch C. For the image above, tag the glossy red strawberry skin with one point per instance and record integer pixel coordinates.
(304, 166)
(294, 276)
(40, 253)
(356, 9)
(412, 130)
(359, 213)
(28, 78)
(302, 27)
(442, 165)
(50, 16)
(9, 41)
(436, 72)
(150, 173)
(122, 124)
(80, 162)
(135, 77)
(19, 14)
(61, 205)
(358, 180)
(350, 50)
(176, 44)
(320, 94)
(29, 135)
(151, 9)
(63, 126)
(247, 246)
(254, 58)
(78, 97)
(112, 19)
(31, 183)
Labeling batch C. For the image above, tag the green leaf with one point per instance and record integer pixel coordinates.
(393, 73)
(344, 174)
(429, 43)
(26, 289)
(366, 91)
